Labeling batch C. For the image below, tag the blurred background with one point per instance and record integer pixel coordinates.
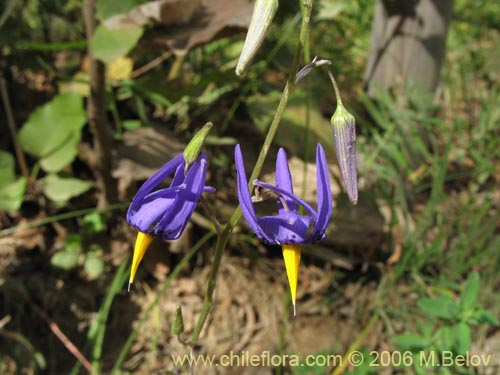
(96, 95)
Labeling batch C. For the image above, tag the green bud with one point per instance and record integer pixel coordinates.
(178, 322)
(344, 134)
(193, 149)
(263, 14)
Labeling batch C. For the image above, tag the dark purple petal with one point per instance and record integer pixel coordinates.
(174, 221)
(288, 195)
(324, 195)
(286, 228)
(284, 179)
(244, 196)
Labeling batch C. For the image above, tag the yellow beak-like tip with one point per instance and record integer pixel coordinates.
(291, 255)
(142, 243)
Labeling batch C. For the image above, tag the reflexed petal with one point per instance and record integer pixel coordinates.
(244, 196)
(176, 218)
(324, 195)
(288, 195)
(284, 178)
(166, 170)
(289, 228)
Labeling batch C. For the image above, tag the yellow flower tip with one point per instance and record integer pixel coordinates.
(142, 243)
(291, 255)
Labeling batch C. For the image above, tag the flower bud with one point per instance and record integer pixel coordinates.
(344, 134)
(178, 322)
(263, 14)
(193, 149)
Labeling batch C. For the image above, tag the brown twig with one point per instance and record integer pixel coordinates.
(150, 65)
(23, 166)
(68, 344)
(96, 113)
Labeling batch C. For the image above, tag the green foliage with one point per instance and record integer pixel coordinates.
(53, 131)
(108, 45)
(94, 264)
(11, 189)
(108, 8)
(61, 189)
(445, 325)
(69, 257)
(75, 254)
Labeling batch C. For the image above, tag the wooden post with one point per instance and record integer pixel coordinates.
(408, 43)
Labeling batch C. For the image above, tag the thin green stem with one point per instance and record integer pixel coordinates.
(335, 88)
(64, 216)
(356, 345)
(224, 237)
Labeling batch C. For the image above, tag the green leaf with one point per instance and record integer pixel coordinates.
(11, 195)
(53, 131)
(108, 8)
(93, 223)
(65, 259)
(7, 166)
(444, 307)
(60, 189)
(410, 341)
(108, 45)
(484, 316)
(93, 265)
(131, 124)
(462, 337)
(470, 291)
(73, 242)
(447, 338)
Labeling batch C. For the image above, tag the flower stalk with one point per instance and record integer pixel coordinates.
(224, 237)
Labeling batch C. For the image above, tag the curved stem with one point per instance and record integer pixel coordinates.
(224, 236)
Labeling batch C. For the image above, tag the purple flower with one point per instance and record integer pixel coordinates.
(289, 228)
(165, 212)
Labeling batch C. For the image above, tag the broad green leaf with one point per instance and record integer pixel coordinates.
(462, 337)
(64, 155)
(6, 168)
(131, 124)
(470, 291)
(11, 195)
(93, 265)
(108, 45)
(410, 341)
(65, 259)
(108, 8)
(53, 130)
(444, 307)
(60, 189)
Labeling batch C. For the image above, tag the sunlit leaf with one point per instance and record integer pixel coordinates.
(53, 131)
(108, 8)
(62, 189)
(11, 195)
(65, 259)
(93, 265)
(109, 45)
(6, 168)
